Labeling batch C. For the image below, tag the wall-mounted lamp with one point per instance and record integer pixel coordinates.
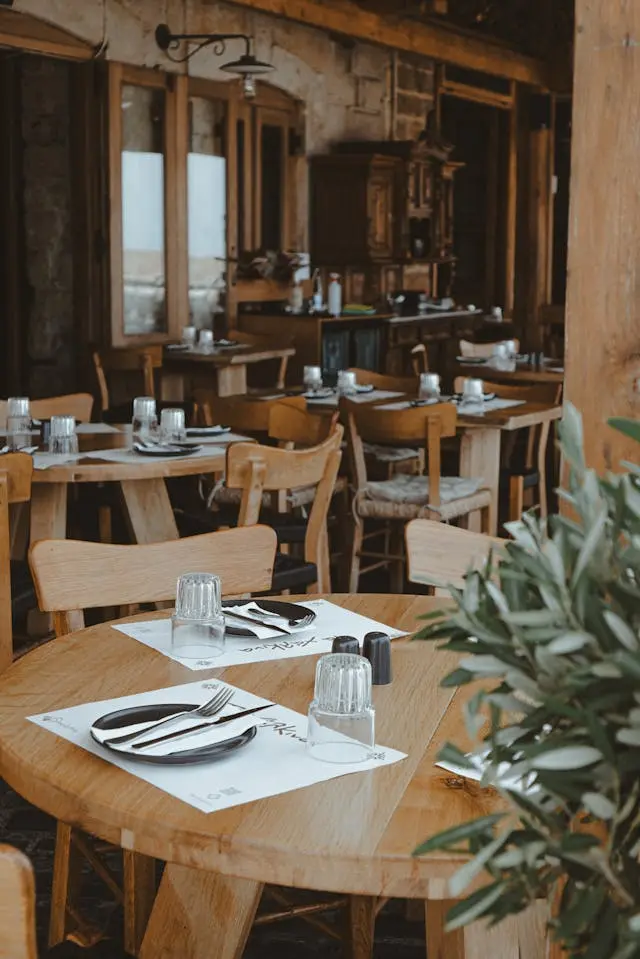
(246, 66)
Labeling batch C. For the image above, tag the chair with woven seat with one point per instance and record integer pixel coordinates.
(16, 589)
(394, 502)
(478, 351)
(441, 555)
(387, 460)
(17, 905)
(71, 576)
(524, 471)
(143, 360)
(257, 470)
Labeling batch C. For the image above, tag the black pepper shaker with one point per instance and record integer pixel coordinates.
(345, 644)
(377, 649)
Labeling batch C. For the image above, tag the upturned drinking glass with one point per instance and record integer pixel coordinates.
(347, 383)
(18, 422)
(189, 334)
(472, 396)
(144, 424)
(341, 722)
(172, 426)
(62, 437)
(205, 341)
(197, 625)
(429, 386)
(312, 378)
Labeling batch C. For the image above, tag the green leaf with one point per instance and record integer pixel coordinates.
(459, 834)
(621, 630)
(630, 428)
(590, 546)
(567, 757)
(569, 643)
(474, 906)
(601, 806)
(468, 872)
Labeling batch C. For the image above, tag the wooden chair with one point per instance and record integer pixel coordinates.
(78, 405)
(16, 470)
(71, 576)
(419, 359)
(143, 360)
(293, 426)
(384, 461)
(245, 415)
(479, 351)
(399, 384)
(266, 343)
(551, 320)
(17, 906)
(258, 469)
(440, 555)
(393, 502)
(526, 473)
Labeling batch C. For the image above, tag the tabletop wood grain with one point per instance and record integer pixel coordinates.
(354, 834)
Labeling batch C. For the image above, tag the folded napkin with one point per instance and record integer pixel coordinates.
(203, 737)
(253, 611)
(501, 777)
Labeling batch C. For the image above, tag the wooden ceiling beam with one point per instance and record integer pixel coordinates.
(409, 36)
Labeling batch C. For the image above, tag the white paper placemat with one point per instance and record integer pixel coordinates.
(490, 405)
(275, 762)
(502, 777)
(371, 397)
(96, 428)
(406, 404)
(330, 621)
(44, 461)
(127, 456)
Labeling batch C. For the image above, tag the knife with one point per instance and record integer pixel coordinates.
(195, 729)
(257, 622)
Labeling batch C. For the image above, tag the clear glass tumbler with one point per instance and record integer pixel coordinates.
(18, 422)
(341, 727)
(189, 336)
(347, 383)
(62, 437)
(472, 397)
(197, 625)
(172, 426)
(144, 424)
(312, 378)
(429, 386)
(205, 341)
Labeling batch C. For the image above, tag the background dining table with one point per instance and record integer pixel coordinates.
(352, 835)
(225, 369)
(552, 371)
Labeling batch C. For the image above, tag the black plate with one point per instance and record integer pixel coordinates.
(207, 431)
(289, 610)
(175, 449)
(139, 714)
(365, 388)
(457, 397)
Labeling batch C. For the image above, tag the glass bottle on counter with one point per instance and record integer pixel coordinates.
(335, 294)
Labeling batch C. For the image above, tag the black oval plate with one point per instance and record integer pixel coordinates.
(289, 610)
(175, 449)
(121, 718)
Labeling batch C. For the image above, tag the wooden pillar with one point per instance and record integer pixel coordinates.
(511, 206)
(603, 293)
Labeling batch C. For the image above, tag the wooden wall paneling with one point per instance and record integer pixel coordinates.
(428, 40)
(31, 34)
(603, 305)
(176, 232)
(115, 204)
(493, 147)
(511, 213)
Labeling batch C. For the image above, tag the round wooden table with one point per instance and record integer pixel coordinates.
(351, 835)
(142, 482)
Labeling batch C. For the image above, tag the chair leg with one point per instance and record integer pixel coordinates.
(516, 497)
(139, 889)
(441, 944)
(67, 872)
(397, 566)
(324, 564)
(361, 912)
(357, 533)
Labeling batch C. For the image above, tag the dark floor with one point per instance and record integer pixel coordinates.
(32, 831)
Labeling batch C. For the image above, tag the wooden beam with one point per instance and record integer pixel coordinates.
(603, 305)
(28, 33)
(411, 36)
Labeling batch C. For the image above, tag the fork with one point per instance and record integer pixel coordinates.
(215, 705)
(298, 623)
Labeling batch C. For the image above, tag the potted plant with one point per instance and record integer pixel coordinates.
(551, 628)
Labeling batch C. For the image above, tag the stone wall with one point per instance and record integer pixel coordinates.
(47, 224)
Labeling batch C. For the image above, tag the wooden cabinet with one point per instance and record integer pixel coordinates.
(354, 209)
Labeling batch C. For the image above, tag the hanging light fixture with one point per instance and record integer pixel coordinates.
(246, 66)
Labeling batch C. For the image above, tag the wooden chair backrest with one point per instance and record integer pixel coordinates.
(16, 471)
(257, 469)
(17, 906)
(420, 359)
(79, 405)
(438, 554)
(264, 343)
(72, 575)
(293, 425)
(401, 384)
(424, 425)
(480, 350)
(239, 412)
(146, 359)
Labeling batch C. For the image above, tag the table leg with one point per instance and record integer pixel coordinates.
(518, 937)
(232, 380)
(148, 509)
(199, 915)
(480, 457)
(361, 912)
(48, 511)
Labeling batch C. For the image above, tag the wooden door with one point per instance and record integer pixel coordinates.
(380, 210)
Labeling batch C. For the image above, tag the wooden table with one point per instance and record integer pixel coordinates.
(144, 491)
(352, 835)
(551, 373)
(481, 440)
(183, 371)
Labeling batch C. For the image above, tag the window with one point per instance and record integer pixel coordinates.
(198, 176)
